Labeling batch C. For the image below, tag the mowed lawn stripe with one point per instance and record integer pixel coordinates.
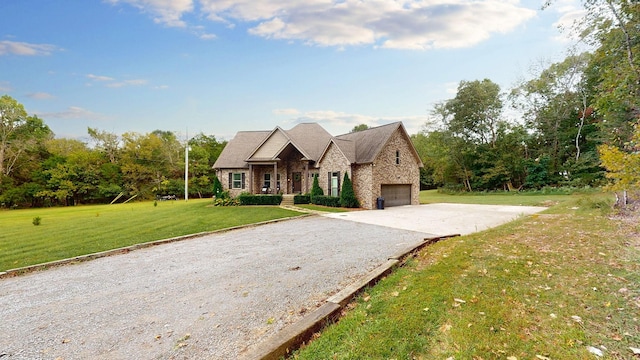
(80, 230)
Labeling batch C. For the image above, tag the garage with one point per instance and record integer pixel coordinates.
(396, 194)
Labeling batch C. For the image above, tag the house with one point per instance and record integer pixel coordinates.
(380, 161)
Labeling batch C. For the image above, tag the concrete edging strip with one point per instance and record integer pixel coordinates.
(345, 295)
(293, 336)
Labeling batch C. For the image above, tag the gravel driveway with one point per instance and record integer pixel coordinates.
(204, 298)
(212, 297)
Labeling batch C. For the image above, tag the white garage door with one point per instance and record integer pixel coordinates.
(396, 194)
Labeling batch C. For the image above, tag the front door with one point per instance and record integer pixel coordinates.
(296, 184)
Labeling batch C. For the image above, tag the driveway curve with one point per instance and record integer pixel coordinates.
(210, 297)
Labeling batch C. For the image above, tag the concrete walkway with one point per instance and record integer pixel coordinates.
(440, 219)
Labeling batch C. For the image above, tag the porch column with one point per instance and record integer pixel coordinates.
(306, 177)
(251, 178)
(275, 177)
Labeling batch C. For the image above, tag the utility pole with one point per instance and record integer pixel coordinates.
(186, 168)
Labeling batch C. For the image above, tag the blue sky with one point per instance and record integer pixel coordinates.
(221, 66)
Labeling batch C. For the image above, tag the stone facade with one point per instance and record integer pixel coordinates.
(333, 161)
(363, 185)
(223, 176)
(386, 155)
(386, 170)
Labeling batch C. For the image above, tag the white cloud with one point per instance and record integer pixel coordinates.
(401, 24)
(571, 13)
(398, 24)
(207, 36)
(26, 49)
(100, 77)
(161, 87)
(167, 12)
(340, 122)
(289, 111)
(135, 82)
(40, 96)
(73, 113)
(114, 83)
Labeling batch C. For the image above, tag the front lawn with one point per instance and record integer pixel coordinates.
(547, 286)
(72, 231)
(532, 198)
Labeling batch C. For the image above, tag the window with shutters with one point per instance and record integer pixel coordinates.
(237, 181)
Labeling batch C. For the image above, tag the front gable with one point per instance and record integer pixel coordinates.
(272, 147)
(399, 141)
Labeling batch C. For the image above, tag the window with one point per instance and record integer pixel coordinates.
(278, 181)
(397, 157)
(267, 181)
(237, 181)
(335, 183)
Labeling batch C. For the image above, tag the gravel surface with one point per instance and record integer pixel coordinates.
(204, 298)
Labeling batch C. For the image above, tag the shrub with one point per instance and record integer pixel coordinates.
(218, 191)
(330, 201)
(316, 190)
(348, 197)
(302, 199)
(37, 220)
(251, 199)
(226, 201)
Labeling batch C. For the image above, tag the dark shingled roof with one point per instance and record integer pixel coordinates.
(311, 138)
(361, 147)
(368, 143)
(237, 150)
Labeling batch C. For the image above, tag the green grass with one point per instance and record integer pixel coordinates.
(73, 231)
(546, 285)
(500, 198)
(322, 208)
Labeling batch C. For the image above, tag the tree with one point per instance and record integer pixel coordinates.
(204, 151)
(218, 190)
(108, 143)
(475, 111)
(149, 161)
(623, 168)
(556, 106)
(348, 197)
(360, 127)
(19, 133)
(316, 190)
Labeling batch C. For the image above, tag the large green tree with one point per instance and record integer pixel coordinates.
(556, 108)
(19, 134)
(476, 111)
(471, 146)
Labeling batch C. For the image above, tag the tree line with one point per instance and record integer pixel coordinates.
(37, 169)
(577, 119)
(574, 123)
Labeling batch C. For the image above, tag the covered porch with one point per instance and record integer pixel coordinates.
(288, 173)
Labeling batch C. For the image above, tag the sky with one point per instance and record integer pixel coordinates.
(222, 66)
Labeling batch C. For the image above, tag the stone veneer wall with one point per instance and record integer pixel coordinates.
(223, 176)
(362, 185)
(332, 161)
(386, 171)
